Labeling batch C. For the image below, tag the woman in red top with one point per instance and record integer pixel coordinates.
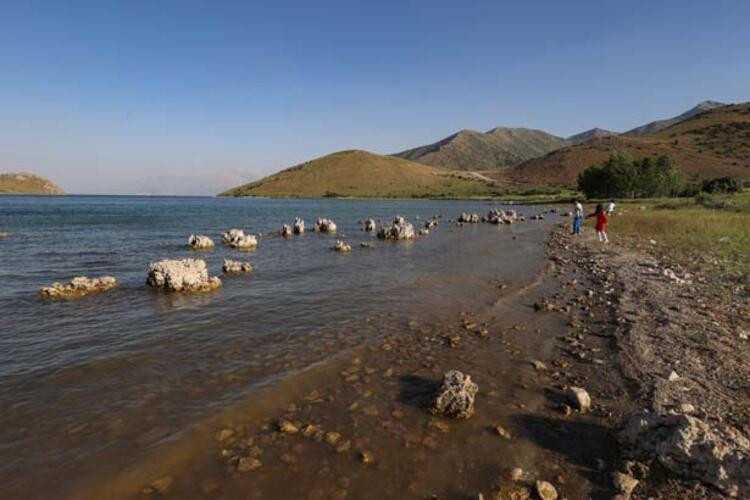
(601, 223)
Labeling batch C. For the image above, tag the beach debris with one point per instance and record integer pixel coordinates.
(370, 225)
(580, 399)
(299, 226)
(200, 242)
(545, 490)
(78, 287)
(399, 230)
(342, 247)
(456, 398)
(468, 218)
(324, 226)
(236, 266)
(186, 275)
(716, 454)
(236, 238)
(286, 230)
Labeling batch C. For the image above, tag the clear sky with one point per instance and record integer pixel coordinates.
(132, 96)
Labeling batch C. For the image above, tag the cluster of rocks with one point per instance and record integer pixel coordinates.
(500, 216)
(236, 266)
(78, 287)
(186, 275)
(200, 242)
(324, 226)
(456, 397)
(468, 218)
(236, 238)
(399, 230)
(342, 247)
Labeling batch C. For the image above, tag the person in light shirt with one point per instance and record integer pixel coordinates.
(610, 207)
(577, 217)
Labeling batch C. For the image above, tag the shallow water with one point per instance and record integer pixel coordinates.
(110, 376)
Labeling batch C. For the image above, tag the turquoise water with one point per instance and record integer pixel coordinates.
(122, 371)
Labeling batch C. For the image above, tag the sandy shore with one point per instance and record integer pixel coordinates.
(606, 319)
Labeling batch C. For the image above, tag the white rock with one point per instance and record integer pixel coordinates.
(78, 287)
(236, 238)
(325, 226)
(399, 230)
(580, 398)
(340, 246)
(286, 230)
(200, 242)
(369, 225)
(456, 398)
(181, 275)
(468, 218)
(299, 226)
(236, 266)
(545, 490)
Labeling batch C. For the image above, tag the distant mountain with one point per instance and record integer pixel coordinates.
(593, 133)
(26, 183)
(498, 148)
(713, 143)
(658, 125)
(367, 175)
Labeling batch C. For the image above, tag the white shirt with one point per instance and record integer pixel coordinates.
(610, 207)
(578, 210)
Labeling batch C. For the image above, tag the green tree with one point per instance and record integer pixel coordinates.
(622, 177)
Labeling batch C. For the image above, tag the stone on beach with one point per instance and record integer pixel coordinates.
(299, 226)
(236, 238)
(399, 230)
(186, 275)
(78, 287)
(692, 448)
(236, 266)
(200, 242)
(580, 399)
(324, 226)
(456, 398)
(340, 246)
(545, 490)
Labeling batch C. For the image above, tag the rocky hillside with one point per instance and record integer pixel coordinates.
(593, 133)
(26, 183)
(367, 175)
(710, 144)
(470, 150)
(659, 125)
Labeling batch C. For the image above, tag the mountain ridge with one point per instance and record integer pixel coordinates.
(27, 183)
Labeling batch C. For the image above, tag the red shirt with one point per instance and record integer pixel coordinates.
(601, 221)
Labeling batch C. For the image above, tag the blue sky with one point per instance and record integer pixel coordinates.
(134, 96)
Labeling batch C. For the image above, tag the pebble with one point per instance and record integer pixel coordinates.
(332, 438)
(502, 432)
(515, 474)
(224, 435)
(545, 490)
(366, 457)
(287, 427)
(247, 464)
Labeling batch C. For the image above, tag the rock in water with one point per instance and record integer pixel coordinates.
(186, 275)
(236, 238)
(369, 225)
(468, 218)
(200, 242)
(580, 399)
(299, 226)
(236, 266)
(430, 224)
(325, 226)
(456, 398)
(692, 448)
(286, 230)
(399, 230)
(78, 287)
(340, 246)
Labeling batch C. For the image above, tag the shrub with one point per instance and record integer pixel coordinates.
(722, 185)
(623, 177)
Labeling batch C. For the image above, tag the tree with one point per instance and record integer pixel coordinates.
(622, 177)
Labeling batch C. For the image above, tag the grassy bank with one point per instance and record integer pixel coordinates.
(710, 231)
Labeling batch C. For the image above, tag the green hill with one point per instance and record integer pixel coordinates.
(366, 175)
(499, 148)
(26, 183)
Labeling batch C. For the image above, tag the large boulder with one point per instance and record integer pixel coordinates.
(324, 226)
(369, 225)
(299, 226)
(236, 266)
(236, 238)
(500, 216)
(78, 287)
(286, 230)
(692, 448)
(200, 242)
(186, 275)
(399, 230)
(456, 398)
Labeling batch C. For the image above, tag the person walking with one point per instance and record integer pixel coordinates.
(577, 217)
(610, 207)
(601, 223)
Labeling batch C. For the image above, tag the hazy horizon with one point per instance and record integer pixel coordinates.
(192, 98)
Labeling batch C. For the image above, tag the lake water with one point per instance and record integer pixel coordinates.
(108, 377)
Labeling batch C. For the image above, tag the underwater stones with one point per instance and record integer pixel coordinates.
(342, 247)
(200, 242)
(236, 266)
(456, 397)
(299, 226)
(186, 275)
(324, 226)
(78, 287)
(236, 238)
(399, 230)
